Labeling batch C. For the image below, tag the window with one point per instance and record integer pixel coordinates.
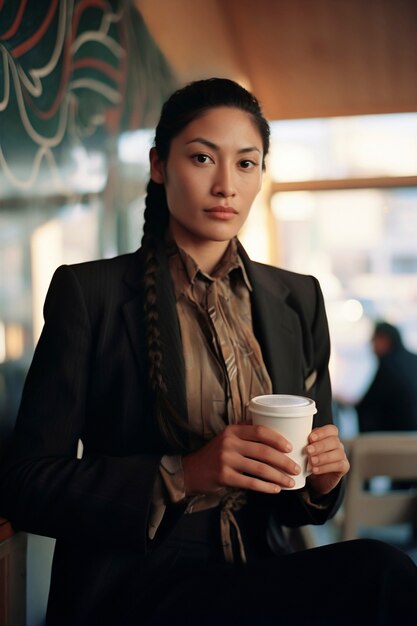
(344, 206)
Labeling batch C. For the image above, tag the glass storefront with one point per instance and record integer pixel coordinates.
(344, 202)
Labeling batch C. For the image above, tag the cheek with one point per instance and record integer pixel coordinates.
(252, 190)
(183, 184)
(181, 196)
(252, 181)
(174, 186)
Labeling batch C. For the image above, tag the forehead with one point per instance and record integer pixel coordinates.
(224, 126)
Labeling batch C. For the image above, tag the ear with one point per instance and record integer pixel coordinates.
(157, 167)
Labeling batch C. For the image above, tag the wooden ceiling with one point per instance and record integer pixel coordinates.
(302, 58)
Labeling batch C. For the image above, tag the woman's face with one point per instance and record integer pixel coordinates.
(211, 177)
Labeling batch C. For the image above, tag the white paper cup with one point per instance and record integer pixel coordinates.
(292, 417)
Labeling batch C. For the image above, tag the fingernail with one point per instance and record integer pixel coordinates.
(310, 449)
(297, 469)
(288, 447)
(291, 482)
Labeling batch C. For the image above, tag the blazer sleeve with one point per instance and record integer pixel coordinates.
(44, 488)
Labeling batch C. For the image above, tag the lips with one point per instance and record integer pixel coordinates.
(221, 213)
(221, 209)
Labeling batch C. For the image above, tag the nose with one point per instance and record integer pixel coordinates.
(223, 184)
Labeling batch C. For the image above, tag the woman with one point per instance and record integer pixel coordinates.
(173, 512)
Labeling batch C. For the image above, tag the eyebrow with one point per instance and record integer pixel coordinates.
(213, 146)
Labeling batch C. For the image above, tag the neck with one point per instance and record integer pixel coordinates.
(206, 253)
(207, 256)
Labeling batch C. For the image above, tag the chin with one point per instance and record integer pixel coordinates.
(220, 233)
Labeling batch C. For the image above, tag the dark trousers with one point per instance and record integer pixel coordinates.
(354, 583)
(186, 582)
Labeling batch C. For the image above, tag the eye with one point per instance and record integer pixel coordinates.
(247, 164)
(202, 159)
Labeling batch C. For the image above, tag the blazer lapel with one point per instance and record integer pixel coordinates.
(133, 309)
(172, 357)
(276, 327)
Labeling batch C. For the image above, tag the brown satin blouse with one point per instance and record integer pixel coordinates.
(223, 362)
(223, 370)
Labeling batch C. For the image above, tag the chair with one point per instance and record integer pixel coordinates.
(390, 454)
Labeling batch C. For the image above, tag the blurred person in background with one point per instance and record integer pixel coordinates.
(390, 403)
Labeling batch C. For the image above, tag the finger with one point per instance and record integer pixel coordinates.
(262, 434)
(324, 445)
(264, 472)
(317, 434)
(268, 455)
(337, 467)
(242, 481)
(267, 472)
(326, 458)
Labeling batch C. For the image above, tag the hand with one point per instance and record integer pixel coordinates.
(327, 458)
(242, 456)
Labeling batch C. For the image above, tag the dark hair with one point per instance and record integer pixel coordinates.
(181, 108)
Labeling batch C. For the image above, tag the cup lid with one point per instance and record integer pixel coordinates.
(282, 405)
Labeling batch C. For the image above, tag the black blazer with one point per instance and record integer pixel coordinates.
(88, 380)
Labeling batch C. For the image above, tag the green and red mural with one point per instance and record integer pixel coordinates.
(72, 72)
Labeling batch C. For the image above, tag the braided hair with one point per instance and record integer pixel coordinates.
(181, 108)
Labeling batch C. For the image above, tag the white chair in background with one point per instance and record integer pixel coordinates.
(389, 454)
